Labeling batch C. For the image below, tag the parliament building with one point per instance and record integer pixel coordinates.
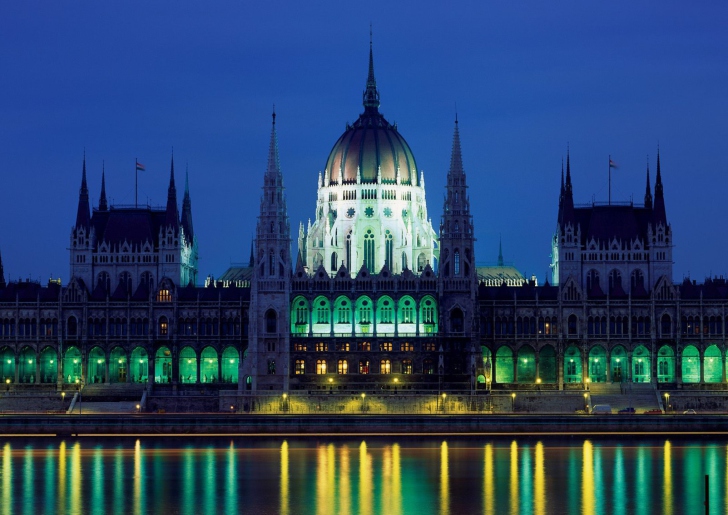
(372, 297)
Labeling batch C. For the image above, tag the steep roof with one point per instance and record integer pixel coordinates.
(134, 225)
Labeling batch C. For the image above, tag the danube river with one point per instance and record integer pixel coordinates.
(369, 475)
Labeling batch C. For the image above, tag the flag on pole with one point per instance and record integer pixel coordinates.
(612, 164)
(140, 167)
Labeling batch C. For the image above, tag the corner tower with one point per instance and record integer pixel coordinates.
(268, 352)
(370, 210)
(457, 275)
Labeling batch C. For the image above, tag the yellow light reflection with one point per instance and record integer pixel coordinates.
(396, 480)
(365, 480)
(667, 478)
(444, 480)
(514, 479)
(587, 479)
(324, 482)
(7, 476)
(62, 476)
(231, 496)
(97, 492)
(488, 481)
(344, 481)
(284, 510)
(331, 476)
(138, 506)
(76, 479)
(539, 481)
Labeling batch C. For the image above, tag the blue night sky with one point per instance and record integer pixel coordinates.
(135, 79)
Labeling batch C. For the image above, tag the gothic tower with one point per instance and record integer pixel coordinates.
(659, 235)
(267, 364)
(457, 273)
(565, 251)
(82, 235)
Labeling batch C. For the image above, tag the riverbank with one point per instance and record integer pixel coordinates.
(254, 424)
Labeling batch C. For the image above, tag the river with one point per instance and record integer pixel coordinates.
(363, 475)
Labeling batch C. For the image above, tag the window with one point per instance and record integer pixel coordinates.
(271, 321)
(271, 367)
(343, 312)
(388, 247)
(385, 312)
(369, 250)
(300, 367)
(322, 313)
(320, 366)
(342, 367)
(457, 262)
(300, 347)
(301, 313)
(320, 347)
(365, 312)
(428, 347)
(163, 326)
(385, 347)
(364, 346)
(407, 347)
(408, 312)
(363, 366)
(428, 312)
(164, 295)
(342, 347)
(428, 367)
(385, 366)
(406, 366)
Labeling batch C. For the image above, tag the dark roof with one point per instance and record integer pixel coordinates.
(606, 222)
(130, 224)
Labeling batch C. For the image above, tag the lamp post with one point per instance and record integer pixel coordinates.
(7, 385)
(444, 396)
(80, 388)
(284, 405)
(513, 402)
(396, 381)
(363, 405)
(586, 403)
(63, 400)
(331, 385)
(667, 402)
(139, 408)
(538, 384)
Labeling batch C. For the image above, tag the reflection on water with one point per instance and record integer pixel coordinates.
(364, 476)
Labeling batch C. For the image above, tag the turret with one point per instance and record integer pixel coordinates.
(648, 192)
(103, 204)
(187, 212)
(659, 215)
(83, 214)
(172, 217)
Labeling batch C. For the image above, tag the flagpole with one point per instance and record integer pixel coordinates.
(136, 183)
(609, 165)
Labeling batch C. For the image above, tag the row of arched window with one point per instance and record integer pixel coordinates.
(28, 328)
(597, 326)
(361, 366)
(637, 279)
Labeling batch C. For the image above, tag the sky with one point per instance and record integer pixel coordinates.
(529, 79)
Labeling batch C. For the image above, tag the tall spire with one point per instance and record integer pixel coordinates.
(274, 165)
(103, 205)
(500, 251)
(456, 157)
(371, 94)
(187, 211)
(172, 212)
(659, 209)
(566, 210)
(648, 190)
(83, 217)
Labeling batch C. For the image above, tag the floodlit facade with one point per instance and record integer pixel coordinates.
(372, 299)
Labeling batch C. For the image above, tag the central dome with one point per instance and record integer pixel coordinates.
(370, 147)
(371, 150)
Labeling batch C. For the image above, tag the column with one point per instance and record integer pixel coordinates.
(628, 372)
(722, 367)
(107, 379)
(608, 366)
(678, 367)
(198, 363)
(37, 369)
(219, 368)
(701, 364)
(560, 369)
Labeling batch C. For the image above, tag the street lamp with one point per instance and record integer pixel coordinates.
(586, 403)
(63, 399)
(444, 396)
(363, 405)
(396, 380)
(513, 402)
(331, 385)
(139, 408)
(667, 402)
(538, 383)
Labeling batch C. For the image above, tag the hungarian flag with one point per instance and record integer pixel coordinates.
(141, 167)
(612, 164)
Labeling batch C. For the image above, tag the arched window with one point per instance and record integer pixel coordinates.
(72, 326)
(320, 366)
(456, 321)
(342, 367)
(147, 279)
(421, 261)
(125, 281)
(369, 250)
(348, 251)
(271, 321)
(637, 279)
(385, 366)
(404, 261)
(573, 325)
(300, 367)
(334, 259)
(104, 281)
(272, 261)
(388, 249)
(665, 326)
(615, 279)
(592, 280)
(457, 262)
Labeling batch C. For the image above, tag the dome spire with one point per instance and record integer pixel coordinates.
(371, 94)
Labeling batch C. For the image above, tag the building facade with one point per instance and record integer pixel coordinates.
(374, 298)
